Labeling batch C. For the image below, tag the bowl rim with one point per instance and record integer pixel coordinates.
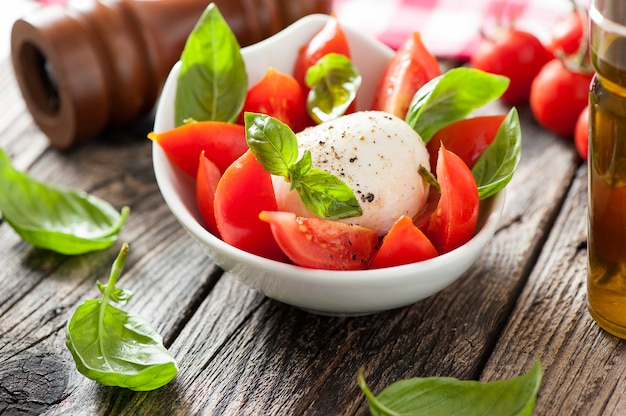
(489, 214)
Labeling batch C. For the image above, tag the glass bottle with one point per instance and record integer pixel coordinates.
(606, 281)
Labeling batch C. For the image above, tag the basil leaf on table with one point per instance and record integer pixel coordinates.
(451, 97)
(449, 396)
(64, 220)
(114, 347)
(212, 81)
(333, 82)
(275, 147)
(495, 167)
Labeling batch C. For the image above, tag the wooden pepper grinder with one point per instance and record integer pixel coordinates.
(93, 64)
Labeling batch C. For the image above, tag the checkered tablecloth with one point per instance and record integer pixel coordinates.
(449, 28)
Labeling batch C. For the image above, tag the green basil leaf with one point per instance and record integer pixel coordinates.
(333, 82)
(272, 142)
(212, 81)
(275, 147)
(64, 220)
(448, 396)
(496, 166)
(116, 348)
(452, 96)
(327, 195)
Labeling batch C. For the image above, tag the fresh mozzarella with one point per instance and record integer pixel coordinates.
(375, 153)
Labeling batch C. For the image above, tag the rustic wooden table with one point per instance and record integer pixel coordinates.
(242, 353)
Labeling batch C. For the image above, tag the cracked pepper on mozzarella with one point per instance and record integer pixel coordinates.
(375, 153)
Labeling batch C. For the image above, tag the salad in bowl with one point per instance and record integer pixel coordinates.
(326, 170)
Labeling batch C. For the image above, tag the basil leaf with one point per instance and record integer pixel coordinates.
(495, 167)
(333, 82)
(212, 81)
(273, 143)
(64, 220)
(116, 348)
(327, 196)
(452, 96)
(448, 396)
(275, 147)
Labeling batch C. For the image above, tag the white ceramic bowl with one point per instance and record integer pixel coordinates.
(325, 292)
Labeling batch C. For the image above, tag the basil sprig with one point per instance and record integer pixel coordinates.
(212, 82)
(495, 167)
(116, 348)
(333, 81)
(64, 220)
(451, 97)
(449, 396)
(275, 147)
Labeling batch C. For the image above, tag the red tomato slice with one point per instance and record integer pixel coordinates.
(206, 183)
(279, 95)
(466, 138)
(245, 190)
(411, 67)
(222, 143)
(455, 218)
(403, 244)
(330, 39)
(322, 244)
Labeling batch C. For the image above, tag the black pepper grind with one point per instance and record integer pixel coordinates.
(93, 64)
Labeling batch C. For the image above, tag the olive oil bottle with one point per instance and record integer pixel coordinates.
(606, 282)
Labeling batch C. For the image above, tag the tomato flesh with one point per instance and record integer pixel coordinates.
(467, 138)
(244, 190)
(222, 143)
(206, 183)
(453, 222)
(322, 244)
(279, 95)
(409, 69)
(403, 244)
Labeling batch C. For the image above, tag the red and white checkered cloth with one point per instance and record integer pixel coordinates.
(449, 28)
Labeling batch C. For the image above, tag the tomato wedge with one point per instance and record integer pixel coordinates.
(453, 222)
(206, 183)
(244, 190)
(410, 68)
(466, 138)
(403, 244)
(330, 39)
(322, 244)
(222, 142)
(278, 95)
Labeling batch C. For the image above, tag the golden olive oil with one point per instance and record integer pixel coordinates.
(606, 283)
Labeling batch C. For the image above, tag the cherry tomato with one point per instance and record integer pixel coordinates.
(411, 67)
(467, 138)
(567, 34)
(222, 142)
(455, 218)
(581, 134)
(516, 54)
(206, 182)
(245, 190)
(322, 244)
(557, 97)
(279, 95)
(403, 244)
(330, 39)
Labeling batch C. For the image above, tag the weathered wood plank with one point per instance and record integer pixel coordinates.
(584, 367)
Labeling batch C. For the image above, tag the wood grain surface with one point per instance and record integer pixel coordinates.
(240, 353)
